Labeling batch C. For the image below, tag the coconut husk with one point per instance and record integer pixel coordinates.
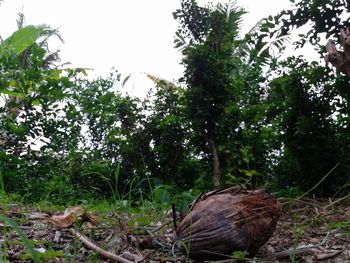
(228, 220)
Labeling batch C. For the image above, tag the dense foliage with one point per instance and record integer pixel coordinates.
(240, 114)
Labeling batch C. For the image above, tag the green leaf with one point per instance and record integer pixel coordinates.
(249, 173)
(21, 39)
(3, 156)
(50, 254)
(11, 93)
(36, 102)
(162, 195)
(18, 130)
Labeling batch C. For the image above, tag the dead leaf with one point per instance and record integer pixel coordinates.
(91, 218)
(70, 216)
(2, 141)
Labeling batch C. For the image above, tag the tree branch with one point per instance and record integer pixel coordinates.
(89, 244)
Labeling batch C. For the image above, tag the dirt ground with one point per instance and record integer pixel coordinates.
(308, 231)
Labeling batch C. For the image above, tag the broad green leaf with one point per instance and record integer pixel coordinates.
(21, 40)
(162, 195)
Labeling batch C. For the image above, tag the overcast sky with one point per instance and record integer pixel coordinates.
(134, 36)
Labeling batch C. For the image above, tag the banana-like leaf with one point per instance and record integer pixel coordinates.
(21, 40)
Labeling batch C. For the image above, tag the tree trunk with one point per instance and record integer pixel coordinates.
(216, 175)
(340, 59)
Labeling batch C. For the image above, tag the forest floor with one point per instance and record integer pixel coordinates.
(308, 231)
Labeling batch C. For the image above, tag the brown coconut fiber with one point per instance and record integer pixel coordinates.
(228, 220)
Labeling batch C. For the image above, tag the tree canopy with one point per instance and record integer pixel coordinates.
(239, 115)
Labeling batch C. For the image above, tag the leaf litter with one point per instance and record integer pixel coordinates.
(308, 231)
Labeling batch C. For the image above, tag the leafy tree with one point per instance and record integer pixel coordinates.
(314, 123)
(209, 68)
(224, 76)
(322, 17)
(168, 129)
(302, 113)
(31, 92)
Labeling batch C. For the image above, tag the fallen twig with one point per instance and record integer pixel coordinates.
(289, 252)
(298, 250)
(328, 255)
(88, 243)
(305, 201)
(316, 185)
(159, 227)
(336, 201)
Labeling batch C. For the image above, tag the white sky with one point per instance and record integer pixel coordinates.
(134, 36)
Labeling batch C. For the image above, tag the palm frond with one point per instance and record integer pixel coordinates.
(160, 82)
(125, 80)
(47, 33)
(180, 42)
(258, 43)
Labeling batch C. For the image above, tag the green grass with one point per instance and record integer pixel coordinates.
(30, 250)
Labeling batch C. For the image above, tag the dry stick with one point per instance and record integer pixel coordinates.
(88, 243)
(313, 202)
(288, 252)
(330, 255)
(298, 250)
(159, 227)
(316, 185)
(337, 201)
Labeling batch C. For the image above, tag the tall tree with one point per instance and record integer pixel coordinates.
(223, 73)
(212, 34)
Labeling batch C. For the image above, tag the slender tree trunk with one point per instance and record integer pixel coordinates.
(216, 175)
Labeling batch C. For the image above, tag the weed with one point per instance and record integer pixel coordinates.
(24, 240)
(342, 225)
(298, 230)
(47, 255)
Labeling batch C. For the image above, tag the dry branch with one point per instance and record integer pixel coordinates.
(89, 244)
(159, 227)
(299, 250)
(332, 203)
